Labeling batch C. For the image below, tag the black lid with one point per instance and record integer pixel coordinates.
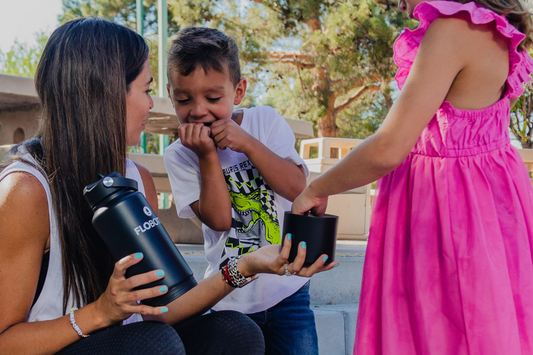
(106, 186)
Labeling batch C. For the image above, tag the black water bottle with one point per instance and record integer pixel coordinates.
(127, 224)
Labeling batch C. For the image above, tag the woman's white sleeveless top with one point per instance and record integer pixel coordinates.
(49, 305)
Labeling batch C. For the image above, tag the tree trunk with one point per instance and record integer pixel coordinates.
(327, 126)
(321, 87)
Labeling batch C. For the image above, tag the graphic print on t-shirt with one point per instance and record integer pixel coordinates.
(255, 218)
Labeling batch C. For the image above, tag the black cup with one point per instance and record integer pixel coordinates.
(319, 234)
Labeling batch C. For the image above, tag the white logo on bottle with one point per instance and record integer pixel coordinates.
(147, 211)
(147, 225)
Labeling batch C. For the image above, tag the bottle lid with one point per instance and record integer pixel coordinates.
(106, 186)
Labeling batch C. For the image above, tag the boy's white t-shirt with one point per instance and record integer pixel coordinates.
(257, 211)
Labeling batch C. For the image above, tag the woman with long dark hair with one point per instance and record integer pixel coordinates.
(59, 283)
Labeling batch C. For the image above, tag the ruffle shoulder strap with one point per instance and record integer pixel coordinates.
(406, 46)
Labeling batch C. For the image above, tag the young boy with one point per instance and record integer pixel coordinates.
(237, 171)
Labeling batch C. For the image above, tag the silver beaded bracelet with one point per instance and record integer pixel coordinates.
(74, 325)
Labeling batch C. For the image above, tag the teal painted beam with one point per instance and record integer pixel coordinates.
(163, 144)
(140, 17)
(142, 143)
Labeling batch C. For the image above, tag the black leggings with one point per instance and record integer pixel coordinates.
(219, 333)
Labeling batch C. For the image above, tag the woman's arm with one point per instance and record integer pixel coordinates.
(149, 187)
(269, 259)
(23, 238)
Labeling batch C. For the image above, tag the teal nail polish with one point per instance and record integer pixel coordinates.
(138, 255)
(336, 265)
(289, 236)
(164, 310)
(324, 259)
(160, 273)
(163, 289)
(304, 245)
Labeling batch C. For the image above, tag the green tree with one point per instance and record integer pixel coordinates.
(22, 59)
(310, 59)
(521, 123)
(344, 55)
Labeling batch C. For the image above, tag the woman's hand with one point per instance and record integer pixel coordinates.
(272, 259)
(308, 202)
(119, 301)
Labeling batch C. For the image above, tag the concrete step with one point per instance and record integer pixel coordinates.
(335, 326)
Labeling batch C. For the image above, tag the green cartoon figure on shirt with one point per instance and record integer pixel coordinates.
(255, 214)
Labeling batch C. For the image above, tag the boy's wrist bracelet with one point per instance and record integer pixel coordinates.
(232, 276)
(74, 325)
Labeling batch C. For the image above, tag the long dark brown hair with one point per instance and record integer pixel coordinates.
(516, 13)
(82, 81)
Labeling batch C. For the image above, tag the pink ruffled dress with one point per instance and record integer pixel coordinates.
(449, 262)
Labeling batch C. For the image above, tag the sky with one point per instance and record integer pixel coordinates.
(21, 19)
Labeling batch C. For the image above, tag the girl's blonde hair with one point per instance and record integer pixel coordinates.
(516, 12)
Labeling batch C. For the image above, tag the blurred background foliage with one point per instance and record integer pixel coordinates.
(329, 62)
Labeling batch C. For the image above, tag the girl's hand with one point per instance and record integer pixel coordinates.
(119, 301)
(272, 259)
(307, 203)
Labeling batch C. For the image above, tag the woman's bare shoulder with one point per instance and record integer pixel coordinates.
(23, 208)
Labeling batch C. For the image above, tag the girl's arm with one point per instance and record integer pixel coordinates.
(439, 60)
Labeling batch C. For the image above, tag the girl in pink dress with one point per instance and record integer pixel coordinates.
(449, 262)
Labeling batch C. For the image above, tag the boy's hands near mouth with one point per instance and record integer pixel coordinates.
(227, 133)
(196, 137)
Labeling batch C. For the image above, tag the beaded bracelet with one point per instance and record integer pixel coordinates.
(74, 325)
(232, 275)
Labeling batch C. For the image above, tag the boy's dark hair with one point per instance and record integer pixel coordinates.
(205, 47)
